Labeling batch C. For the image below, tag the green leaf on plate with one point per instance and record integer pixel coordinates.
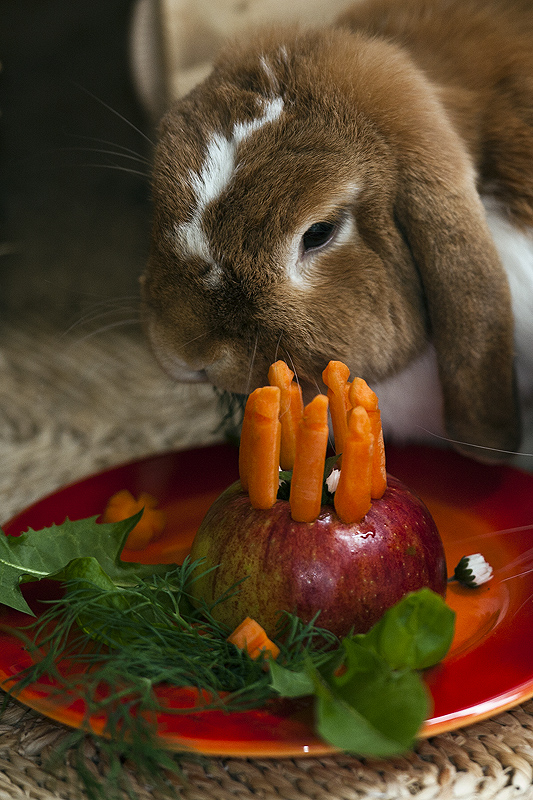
(369, 696)
(381, 720)
(369, 709)
(47, 553)
(290, 683)
(416, 633)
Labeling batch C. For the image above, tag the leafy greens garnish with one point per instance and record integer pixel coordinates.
(150, 634)
(54, 553)
(127, 631)
(369, 697)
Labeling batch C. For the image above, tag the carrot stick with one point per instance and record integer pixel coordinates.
(379, 469)
(290, 411)
(245, 445)
(264, 447)
(353, 496)
(335, 376)
(296, 410)
(361, 394)
(308, 473)
(151, 525)
(250, 636)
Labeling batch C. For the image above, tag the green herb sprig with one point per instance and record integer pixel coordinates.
(150, 634)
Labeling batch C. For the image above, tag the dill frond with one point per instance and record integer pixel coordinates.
(115, 648)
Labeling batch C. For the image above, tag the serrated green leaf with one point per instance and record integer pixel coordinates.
(47, 553)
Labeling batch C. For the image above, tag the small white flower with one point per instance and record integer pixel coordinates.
(332, 481)
(473, 571)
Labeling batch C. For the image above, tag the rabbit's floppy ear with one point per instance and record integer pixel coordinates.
(468, 299)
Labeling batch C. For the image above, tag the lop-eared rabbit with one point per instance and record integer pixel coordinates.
(361, 192)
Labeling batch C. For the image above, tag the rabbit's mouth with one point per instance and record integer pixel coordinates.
(229, 369)
(178, 369)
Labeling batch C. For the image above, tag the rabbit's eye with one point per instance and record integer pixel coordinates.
(318, 235)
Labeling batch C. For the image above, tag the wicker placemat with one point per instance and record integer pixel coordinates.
(70, 406)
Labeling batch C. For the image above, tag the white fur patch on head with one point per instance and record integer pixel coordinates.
(207, 185)
(271, 112)
(215, 175)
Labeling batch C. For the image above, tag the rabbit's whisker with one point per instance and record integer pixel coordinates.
(100, 316)
(101, 151)
(523, 558)
(118, 147)
(195, 338)
(278, 344)
(117, 168)
(99, 311)
(120, 116)
(470, 444)
(503, 532)
(252, 362)
(105, 328)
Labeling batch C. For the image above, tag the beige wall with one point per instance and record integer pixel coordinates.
(174, 41)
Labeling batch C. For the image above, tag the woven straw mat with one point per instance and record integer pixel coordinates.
(70, 406)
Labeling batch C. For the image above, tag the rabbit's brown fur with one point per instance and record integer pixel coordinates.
(480, 56)
(391, 125)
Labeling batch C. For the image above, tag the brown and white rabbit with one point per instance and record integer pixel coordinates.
(343, 194)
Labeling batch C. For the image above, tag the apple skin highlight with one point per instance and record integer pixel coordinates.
(351, 573)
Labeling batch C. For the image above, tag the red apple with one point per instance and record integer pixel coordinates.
(350, 573)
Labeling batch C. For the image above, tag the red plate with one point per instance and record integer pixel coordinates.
(478, 508)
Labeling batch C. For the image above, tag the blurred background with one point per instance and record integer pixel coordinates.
(73, 157)
(79, 388)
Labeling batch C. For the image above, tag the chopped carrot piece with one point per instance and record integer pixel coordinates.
(336, 376)
(353, 496)
(151, 525)
(290, 411)
(361, 394)
(308, 474)
(264, 447)
(250, 636)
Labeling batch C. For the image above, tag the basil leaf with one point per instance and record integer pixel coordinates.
(285, 475)
(416, 633)
(378, 714)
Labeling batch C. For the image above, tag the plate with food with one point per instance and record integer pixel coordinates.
(100, 627)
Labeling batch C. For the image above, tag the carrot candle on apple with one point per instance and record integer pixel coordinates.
(304, 542)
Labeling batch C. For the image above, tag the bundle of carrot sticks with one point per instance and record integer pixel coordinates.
(278, 431)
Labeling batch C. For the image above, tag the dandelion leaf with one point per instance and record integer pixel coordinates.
(47, 553)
